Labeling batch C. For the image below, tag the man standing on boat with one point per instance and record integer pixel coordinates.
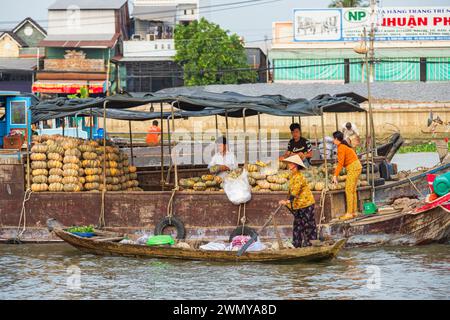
(298, 145)
(223, 160)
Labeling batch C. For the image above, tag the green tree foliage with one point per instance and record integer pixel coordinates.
(347, 3)
(209, 55)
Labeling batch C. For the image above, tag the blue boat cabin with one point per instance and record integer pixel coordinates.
(15, 120)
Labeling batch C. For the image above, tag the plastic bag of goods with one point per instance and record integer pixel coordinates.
(238, 190)
(213, 246)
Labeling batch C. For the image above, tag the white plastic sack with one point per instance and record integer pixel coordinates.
(213, 246)
(257, 246)
(238, 190)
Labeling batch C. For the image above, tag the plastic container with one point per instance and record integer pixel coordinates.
(160, 240)
(441, 184)
(84, 234)
(370, 208)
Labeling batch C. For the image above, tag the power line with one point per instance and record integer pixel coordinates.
(237, 4)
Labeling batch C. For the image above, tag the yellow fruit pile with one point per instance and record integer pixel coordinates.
(72, 165)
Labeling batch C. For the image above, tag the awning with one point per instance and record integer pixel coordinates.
(67, 87)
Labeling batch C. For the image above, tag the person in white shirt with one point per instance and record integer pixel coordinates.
(223, 158)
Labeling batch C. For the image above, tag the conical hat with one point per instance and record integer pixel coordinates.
(295, 159)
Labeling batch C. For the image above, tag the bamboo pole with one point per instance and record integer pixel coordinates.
(169, 139)
(325, 151)
(175, 160)
(226, 124)
(258, 153)
(131, 143)
(367, 147)
(300, 124)
(91, 123)
(102, 209)
(27, 134)
(336, 120)
(162, 147)
(245, 137)
(217, 127)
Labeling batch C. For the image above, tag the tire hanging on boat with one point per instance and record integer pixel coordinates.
(171, 222)
(242, 231)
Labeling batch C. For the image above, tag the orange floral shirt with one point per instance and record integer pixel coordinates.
(298, 187)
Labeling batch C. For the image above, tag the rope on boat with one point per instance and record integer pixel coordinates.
(101, 219)
(415, 187)
(23, 216)
(170, 204)
(322, 209)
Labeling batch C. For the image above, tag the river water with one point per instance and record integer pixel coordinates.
(51, 272)
(59, 271)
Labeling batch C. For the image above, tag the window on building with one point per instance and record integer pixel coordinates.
(185, 12)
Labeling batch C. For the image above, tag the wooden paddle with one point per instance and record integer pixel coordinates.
(255, 236)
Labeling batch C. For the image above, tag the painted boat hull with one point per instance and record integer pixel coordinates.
(206, 215)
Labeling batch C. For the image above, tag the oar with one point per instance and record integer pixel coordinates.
(255, 236)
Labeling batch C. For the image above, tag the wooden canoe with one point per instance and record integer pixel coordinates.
(109, 245)
(413, 227)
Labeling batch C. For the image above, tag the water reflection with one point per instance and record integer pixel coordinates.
(40, 272)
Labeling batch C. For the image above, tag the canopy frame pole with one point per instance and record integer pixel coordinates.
(245, 136)
(336, 120)
(131, 143)
(300, 124)
(293, 120)
(76, 123)
(325, 151)
(63, 126)
(102, 222)
(226, 123)
(162, 147)
(258, 153)
(91, 123)
(173, 131)
(27, 134)
(169, 139)
(217, 127)
(367, 147)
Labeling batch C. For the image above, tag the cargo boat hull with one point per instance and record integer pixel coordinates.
(206, 215)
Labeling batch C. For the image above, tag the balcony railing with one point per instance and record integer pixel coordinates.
(149, 48)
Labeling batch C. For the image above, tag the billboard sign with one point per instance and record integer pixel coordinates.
(392, 23)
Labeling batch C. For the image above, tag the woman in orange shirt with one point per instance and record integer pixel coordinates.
(347, 159)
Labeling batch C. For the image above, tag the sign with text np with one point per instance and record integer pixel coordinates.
(391, 23)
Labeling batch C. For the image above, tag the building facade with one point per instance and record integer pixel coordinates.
(309, 49)
(149, 54)
(20, 55)
(84, 40)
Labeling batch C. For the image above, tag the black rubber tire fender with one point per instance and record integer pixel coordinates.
(242, 230)
(171, 222)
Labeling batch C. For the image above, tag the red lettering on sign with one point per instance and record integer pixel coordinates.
(436, 20)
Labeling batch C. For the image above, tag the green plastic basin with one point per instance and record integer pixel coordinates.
(160, 240)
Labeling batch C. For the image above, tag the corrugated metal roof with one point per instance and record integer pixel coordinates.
(79, 37)
(80, 40)
(155, 13)
(17, 64)
(410, 91)
(88, 4)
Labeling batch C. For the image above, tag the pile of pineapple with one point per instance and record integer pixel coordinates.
(72, 165)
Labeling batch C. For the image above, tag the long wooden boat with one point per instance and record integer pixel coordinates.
(206, 215)
(102, 245)
(396, 228)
